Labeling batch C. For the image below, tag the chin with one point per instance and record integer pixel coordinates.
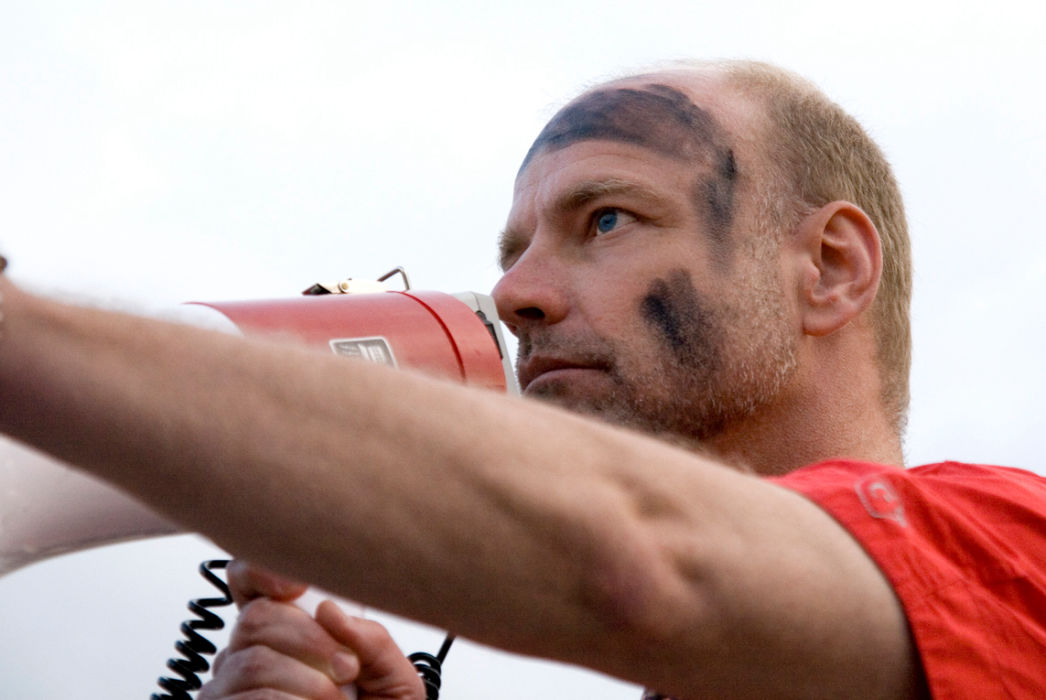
(601, 406)
(568, 396)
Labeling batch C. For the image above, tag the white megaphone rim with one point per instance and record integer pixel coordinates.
(48, 509)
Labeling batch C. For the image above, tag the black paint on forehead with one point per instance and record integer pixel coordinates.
(657, 117)
(664, 120)
(714, 196)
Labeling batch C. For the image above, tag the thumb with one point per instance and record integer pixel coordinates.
(385, 673)
(249, 581)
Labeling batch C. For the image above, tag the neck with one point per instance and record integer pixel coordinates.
(818, 416)
(767, 446)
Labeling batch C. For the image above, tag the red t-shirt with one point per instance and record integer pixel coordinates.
(964, 547)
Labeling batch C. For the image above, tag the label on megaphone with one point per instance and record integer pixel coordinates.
(453, 336)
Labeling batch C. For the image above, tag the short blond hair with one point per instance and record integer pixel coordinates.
(822, 154)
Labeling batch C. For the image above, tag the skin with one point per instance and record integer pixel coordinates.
(276, 646)
(654, 564)
(675, 346)
(686, 339)
(793, 361)
(662, 119)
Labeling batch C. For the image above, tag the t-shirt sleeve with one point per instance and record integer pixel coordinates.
(964, 547)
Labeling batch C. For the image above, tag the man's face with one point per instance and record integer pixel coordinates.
(632, 277)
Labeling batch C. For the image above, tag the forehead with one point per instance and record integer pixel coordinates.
(655, 121)
(652, 115)
(575, 175)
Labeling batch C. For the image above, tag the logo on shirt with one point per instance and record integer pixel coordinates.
(880, 499)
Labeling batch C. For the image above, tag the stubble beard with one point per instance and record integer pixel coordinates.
(731, 365)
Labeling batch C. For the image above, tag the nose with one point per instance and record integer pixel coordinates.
(532, 292)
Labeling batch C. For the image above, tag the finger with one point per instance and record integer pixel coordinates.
(266, 694)
(384, 670)
(263, 671)
(249, 581)
(288, 630)
(219, 659)
(253, 695)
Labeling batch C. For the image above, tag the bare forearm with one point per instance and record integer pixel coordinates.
(313, 464)
(513, 523)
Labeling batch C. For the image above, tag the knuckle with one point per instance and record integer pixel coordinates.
(260, 694)
(240, 579)
(251, 664)
(256, 617)
(282, 627)
(219, 661)
(244, 674)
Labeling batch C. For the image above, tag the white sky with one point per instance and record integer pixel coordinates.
(156, 152)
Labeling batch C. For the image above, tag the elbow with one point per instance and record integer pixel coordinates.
(642, 593)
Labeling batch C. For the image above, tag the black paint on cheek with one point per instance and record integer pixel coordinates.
(673, 309)
(657, 117)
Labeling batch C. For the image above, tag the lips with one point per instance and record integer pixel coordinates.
(535, 367)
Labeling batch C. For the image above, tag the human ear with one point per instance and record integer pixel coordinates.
(841, 263)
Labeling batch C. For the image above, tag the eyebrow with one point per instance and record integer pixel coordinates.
(589, 191)
(511, 240)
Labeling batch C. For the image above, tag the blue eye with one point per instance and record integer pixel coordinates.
(611, 219)
(606, 221)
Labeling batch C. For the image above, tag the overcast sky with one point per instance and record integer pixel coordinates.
(158, 152)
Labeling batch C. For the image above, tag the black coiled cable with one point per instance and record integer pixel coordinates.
(430, 668)
(194, 646)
